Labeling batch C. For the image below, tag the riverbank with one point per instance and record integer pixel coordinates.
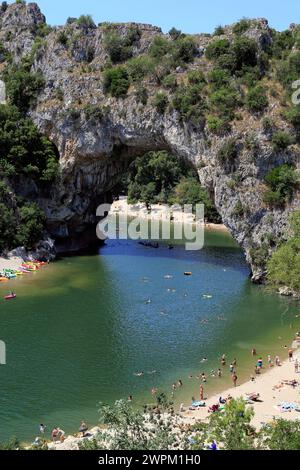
(273, 390)
(271, 386)
(159, 212)
(10, 263)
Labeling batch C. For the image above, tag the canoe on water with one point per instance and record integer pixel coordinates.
(10, 297)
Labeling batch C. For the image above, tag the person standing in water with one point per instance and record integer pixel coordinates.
(201, 393)
(234, 379)
(219, 373)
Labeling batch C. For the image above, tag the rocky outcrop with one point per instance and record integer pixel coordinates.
(95, 151)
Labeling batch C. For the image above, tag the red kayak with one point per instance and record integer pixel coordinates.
(10, 297)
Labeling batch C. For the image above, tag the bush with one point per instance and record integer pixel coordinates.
(219, 78)
(196, 77)
(241, 27)
(170, 81)
(259, 255)
(22, 147)
(189, 191)
(293, 116)
(282, 182)
(190, 104)
(218, 126)
(217, 48)
(117, 48)
(281, 141)
(161, 102)
(140, 67)
(22, 86)
(257, 99)
(224, 101)
(116, 82)
(62, 38)
(228, 152)
(159, 47)
(282, 42)
(219, 31)
(86, 21)
(142, 95)
(184, 50)
(175, 33)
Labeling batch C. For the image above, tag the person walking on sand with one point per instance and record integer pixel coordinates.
(277, 361)
(201, 393)
(219, 373)
(296, 366)
(234, 379)
(290, 355)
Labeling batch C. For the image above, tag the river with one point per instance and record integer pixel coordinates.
(82, 327)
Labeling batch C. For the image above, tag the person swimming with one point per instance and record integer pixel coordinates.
(139, 374)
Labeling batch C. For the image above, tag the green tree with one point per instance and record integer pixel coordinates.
(257, 99)
(282, 435)
(232, 428)
(116, 81)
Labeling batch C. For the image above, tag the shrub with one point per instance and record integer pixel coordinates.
(217, 48)
(22, 86)
(62, 38)
(281, 141)
(94, 112)
(257, 99)
(219, 30)
(245, 52)
(190, 104)
(228, 152)
(175, 33)
(224, 101)
(170, 81)
(219, 78)
(241, 27)
(116, 81)
(142, 95)
(259, 255)
(282, 182)
(184, 50)
(293, 116)
(161, 102)
(86, 21)
(139, 67)
(217, 125)
(238, 210)
(196, 77)
(116, 47)
(282, 42)
(159, 47)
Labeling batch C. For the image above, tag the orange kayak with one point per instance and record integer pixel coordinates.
(3, 279)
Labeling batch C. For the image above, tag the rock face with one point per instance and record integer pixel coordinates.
(95, 151)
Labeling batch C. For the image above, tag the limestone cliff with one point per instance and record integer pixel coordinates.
(95, 150)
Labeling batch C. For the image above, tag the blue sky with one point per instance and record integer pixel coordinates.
(191, 16)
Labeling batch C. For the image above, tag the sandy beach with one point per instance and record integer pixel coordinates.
(272, 391)
(158, 212)
(10, 263)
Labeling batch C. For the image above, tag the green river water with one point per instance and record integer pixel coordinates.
(81, 327)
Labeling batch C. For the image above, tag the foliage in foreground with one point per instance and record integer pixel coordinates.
(157, 428)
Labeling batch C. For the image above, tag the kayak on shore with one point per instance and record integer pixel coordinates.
(10, 296)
